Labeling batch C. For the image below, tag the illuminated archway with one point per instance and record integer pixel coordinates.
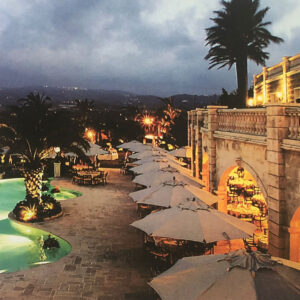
(240, 196)
(295, 237)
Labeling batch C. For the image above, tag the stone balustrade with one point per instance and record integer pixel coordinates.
(246, 121)
(294, 123)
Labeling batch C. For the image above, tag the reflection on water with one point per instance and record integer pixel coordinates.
(21, 246)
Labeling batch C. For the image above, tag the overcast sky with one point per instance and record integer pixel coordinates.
(144, 46)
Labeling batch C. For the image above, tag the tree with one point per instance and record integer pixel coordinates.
(239, 34)
(34, 131)
(84, 109)
(169, 113)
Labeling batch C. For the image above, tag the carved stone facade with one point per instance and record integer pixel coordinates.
(266, 142)
(279, 83)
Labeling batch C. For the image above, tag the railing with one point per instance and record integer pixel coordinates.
(294, 123)
(246, 121)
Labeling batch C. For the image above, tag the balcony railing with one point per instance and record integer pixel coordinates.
(294, 123)
(246, 121)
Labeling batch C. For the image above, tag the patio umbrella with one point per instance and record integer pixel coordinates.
(71, 154)
(181, 152)
(95, 150)
(147, 153)
(151, 166)
(168, 194)
(151, 159)
(160, 176)
(140, 148)
(238, 275)
(129, 144)
(189, 221)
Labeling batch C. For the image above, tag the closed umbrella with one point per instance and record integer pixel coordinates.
(168, 194)
(238, 275)
(185, 222)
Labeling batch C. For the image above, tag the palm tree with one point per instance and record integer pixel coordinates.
(34, 131)
(84, 108)
(239, 33)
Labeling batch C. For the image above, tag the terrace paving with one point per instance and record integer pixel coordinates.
(107, 260)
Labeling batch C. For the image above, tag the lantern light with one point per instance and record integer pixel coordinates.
(250, 102)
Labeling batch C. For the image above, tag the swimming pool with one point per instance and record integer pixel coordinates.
(21, 246)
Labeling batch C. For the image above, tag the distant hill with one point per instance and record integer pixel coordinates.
(102, 97)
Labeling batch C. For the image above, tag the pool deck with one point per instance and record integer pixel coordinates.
(107, 260)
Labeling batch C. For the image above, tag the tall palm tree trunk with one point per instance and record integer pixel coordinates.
(33, 183)
(242, 79)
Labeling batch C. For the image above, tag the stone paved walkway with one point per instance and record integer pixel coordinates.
(107, 260)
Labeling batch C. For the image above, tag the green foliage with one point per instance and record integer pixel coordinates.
(239, 33)
(35, 128)
(48, 208)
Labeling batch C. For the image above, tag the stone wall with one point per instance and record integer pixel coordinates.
(266, 142)
(292, 174)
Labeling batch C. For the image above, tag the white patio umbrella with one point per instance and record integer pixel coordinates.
(160, 176)
(129, 144)
(168, 194)
(152, 166)
(197, 224)
(71, 154)
(147, 153)
(140, 147)
(238, 275)
(181, 152)
(150, 159)
(95, 150)
(159, 158)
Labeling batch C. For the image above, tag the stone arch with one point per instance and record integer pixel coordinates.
(295, 236)
(247, 166)
(222, 193)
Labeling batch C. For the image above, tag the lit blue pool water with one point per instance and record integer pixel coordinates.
(21, 245)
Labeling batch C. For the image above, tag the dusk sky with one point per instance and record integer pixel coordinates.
(143, 46)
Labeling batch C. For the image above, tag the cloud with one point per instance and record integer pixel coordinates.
(142, 46)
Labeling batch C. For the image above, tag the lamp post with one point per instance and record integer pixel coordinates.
(57, 164)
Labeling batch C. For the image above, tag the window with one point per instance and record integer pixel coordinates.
(297, 95)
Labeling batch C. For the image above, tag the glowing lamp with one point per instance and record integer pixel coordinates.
(149, 136)
(250, 102)
(148, 121)
(278, 95)
(28, 213)
(56, 149)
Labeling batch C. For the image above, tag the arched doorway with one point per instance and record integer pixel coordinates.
(295, 237)
(241, 197)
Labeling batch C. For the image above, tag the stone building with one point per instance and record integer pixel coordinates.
(251, 158)
(279, 83)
